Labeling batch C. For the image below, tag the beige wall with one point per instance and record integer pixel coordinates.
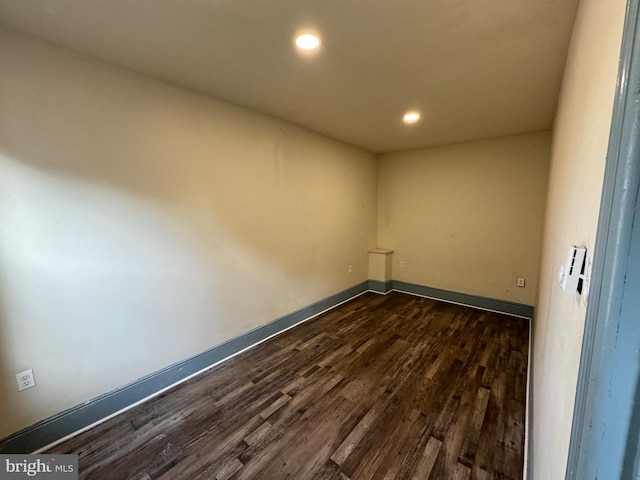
(138, 218)
(467, 217)
(579, 149)
(142, 224)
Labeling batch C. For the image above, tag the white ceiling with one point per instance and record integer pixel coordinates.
(475, 68)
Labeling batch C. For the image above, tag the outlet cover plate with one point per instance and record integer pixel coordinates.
(25, 380)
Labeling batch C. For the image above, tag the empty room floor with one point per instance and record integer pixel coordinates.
(381, 387)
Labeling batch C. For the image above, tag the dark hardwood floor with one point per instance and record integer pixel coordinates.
(382, 387)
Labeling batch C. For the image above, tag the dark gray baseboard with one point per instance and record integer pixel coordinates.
(81, 416)
(502, 306)
(380, 287)
(70, 421)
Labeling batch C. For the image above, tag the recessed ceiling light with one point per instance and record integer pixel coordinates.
(308, 41)
(411, 117)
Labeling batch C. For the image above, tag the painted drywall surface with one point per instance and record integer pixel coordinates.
(142, 224)
(467, 217)
(579, 150)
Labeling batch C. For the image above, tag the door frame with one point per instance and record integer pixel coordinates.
(605, 431)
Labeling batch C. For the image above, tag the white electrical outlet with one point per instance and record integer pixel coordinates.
(25, 380)
(350, 268)
(520, 281)
(401, 264)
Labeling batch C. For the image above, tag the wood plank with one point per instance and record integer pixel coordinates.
(468, 452)
(428, 459)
